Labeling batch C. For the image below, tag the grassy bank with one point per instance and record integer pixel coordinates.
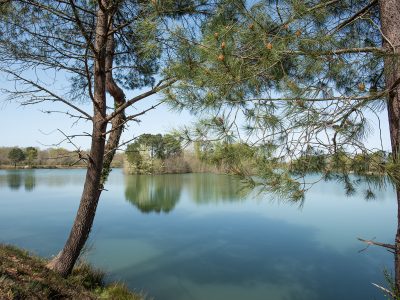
(24, 276)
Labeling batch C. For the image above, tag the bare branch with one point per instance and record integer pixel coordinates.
(385, 290)
(132, 117)
(354, 17)
(65, 113)
(370, 242)
(119, 146)
(82, 28)
(55, 96)
(339, 98)
(339, 51)
(138, 98)
(69, 139)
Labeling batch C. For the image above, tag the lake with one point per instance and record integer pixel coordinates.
(195, 236)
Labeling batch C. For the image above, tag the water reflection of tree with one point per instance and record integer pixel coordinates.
(30, 180)
(158, 193)
(207, 188)
(14, 180)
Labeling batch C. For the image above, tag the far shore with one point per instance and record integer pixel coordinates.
(10, 167)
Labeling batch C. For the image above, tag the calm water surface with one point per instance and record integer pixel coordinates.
(194, 236)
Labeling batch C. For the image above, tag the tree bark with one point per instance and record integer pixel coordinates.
(65, 260)
(118, 122)
(390, 26)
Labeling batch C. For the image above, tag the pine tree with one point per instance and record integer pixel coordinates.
(103, 48)
(301, 81)
(31, 154)
(16, 155)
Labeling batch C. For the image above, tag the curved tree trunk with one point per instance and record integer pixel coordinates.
(118, 122)
(390, 25)
(101, 154)
(65, 260)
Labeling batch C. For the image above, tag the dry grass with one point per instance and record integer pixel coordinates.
(23, 276)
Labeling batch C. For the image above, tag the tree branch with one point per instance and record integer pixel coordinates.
(385, 290)
(140, 97)
(370, 242)
(355, 16)
(82, 29)
(132, 117)
(41, 88)
(339, 51)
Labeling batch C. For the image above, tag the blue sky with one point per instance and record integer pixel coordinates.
(25, 126)
(28, 126)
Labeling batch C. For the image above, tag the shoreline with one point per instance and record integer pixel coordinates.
(8, 167)
(25, 276)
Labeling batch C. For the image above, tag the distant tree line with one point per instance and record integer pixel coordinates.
(51, 157)
(243, 159)
(17, 155)
(313, 161)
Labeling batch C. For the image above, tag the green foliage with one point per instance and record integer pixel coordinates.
(371, 168)
(31, 154)
(5, 8)
(141, 30)
(237, 158)
(374, 162)
(119, 291)
(16, 155)
(149, 149)
(136, 44)
(54, 157)
(309, 163)
(391, 292)
(133, 155)
(288, 78)
(87, 276)
(172, 146)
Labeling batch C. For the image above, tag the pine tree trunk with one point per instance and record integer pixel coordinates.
(118, 122)
(390, 26)
(65, 260)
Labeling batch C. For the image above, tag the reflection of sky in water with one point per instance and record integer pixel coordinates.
(204, 241)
